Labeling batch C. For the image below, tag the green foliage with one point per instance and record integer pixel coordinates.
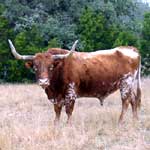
(54, 43)
(14, 71)
(91, 28)
(146, 26)
(95, 33)
(126, 38)
(29, 41)
(145, 44)
(2, 8)
(35, 26)
(5, 32)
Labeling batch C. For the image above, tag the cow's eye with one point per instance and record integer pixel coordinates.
(35, 68)
(51, 67)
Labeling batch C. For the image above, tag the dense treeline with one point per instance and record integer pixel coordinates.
(37, 25)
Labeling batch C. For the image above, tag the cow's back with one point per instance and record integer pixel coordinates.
(99, 73)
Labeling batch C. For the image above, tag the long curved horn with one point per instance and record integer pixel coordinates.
(17, 55)
(61, 56)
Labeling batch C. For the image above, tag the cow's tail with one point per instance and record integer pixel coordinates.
(138, 92)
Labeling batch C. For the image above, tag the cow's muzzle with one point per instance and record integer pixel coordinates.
(44, 83)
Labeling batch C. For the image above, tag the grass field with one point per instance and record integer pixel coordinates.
(26, 122)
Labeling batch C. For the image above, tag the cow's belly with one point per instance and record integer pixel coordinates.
(98, 89)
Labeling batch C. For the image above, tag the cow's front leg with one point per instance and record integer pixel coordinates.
(57, 108)
(70, 100)
(69, 110)
(101, 100)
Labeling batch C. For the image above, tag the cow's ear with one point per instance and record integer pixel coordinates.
(29, 64)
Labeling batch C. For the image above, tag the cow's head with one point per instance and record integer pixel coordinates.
(42, 63)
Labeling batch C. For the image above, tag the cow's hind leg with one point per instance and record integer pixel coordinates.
(127, 95)
(125, 104)
(134, 105)
(57, 108)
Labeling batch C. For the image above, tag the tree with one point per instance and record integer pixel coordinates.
(126, 38)
(35, 26)
(5, 33)
(94, 31)
(145, 44)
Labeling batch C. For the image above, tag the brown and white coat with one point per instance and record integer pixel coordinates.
(66, 75)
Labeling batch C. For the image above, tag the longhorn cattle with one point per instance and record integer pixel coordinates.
(66, 75)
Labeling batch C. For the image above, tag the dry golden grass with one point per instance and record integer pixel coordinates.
(26, 122)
